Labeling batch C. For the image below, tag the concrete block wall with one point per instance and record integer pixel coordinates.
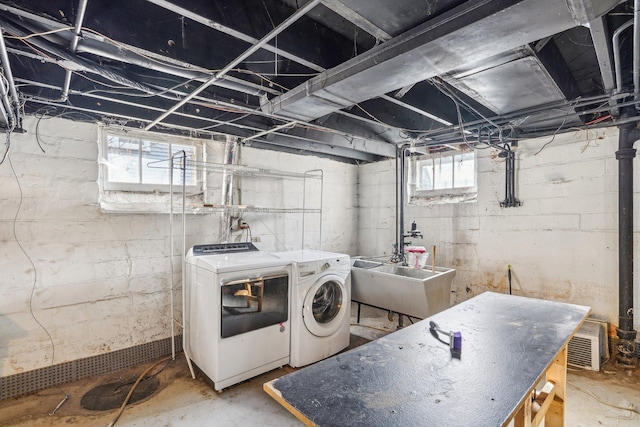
(335, 230)
(562, 243)
(100, 281)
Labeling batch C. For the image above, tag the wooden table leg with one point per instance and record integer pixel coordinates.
(557, 373)
(523, 416)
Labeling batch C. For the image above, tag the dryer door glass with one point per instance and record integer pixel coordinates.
(327, 302)
(249, 304)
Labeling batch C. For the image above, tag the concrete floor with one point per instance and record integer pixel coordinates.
(181, 401)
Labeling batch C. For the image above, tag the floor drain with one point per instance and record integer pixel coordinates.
(110, 396)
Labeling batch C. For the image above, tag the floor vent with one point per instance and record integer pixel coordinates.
(588, 347)
(51, 376)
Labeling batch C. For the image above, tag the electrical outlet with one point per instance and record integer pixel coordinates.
(255, 239)
(236, 222)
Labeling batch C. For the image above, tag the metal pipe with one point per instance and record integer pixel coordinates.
(320, 173)
(82, 8)
(400, 199)
(397, 245)
(524, 113)
(95, 45)
(185, 323)
(437, 132)
(308, 143)
(230, 158)
(233, 33)
(137, 105)
(629, 134)
(4, 58)
(278, 51)
(616, 53)
(82, 63)
(87, 46)
(268, 131)
(287, 22)
(5, 106)
(636, 49)
(171, 268)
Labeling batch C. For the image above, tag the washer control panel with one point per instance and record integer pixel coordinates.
(306, 269)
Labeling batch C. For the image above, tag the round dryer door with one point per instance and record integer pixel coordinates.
(325, 306)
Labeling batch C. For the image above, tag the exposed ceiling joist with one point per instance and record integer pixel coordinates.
(448, 73)
(335, 5)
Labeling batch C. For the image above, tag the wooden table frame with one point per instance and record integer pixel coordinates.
(547, 404)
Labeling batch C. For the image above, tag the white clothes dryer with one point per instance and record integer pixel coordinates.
(320, 304)
(236, 311)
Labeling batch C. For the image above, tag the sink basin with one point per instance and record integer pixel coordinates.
(414, 292)
(361, 263)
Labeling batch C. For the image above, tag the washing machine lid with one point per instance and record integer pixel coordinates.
(236, 261)
(308, 255)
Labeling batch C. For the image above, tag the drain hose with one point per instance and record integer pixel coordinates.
(126, 400)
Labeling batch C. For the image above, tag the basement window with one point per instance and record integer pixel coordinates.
(447, 177)
(135, 173)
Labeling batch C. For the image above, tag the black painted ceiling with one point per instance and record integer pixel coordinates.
(349, 79)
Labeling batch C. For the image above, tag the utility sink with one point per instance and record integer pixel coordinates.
(414, 292)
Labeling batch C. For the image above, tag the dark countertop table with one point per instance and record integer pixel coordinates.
(409, 378)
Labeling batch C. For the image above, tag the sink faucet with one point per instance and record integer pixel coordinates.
(399, 252)
(413, 233)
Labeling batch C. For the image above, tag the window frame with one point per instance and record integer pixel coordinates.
(466, 193)
(142, 187)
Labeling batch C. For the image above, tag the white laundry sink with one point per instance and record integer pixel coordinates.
(414, 292)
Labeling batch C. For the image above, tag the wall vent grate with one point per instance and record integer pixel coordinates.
(587, 347)
(51, 376)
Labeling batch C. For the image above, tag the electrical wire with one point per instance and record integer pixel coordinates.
(598, 120)
(43, 112)
(164, 63)
(459, 114)
(84, 76)
(138, 52)
(593, 395)
(8, 144)
(552, 138)
(33, 266)
(151, 58)
(44, 33)
(439, 85)
(273, 234)
(140, 95)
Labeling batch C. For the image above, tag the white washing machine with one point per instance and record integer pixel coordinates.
(320, 304)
